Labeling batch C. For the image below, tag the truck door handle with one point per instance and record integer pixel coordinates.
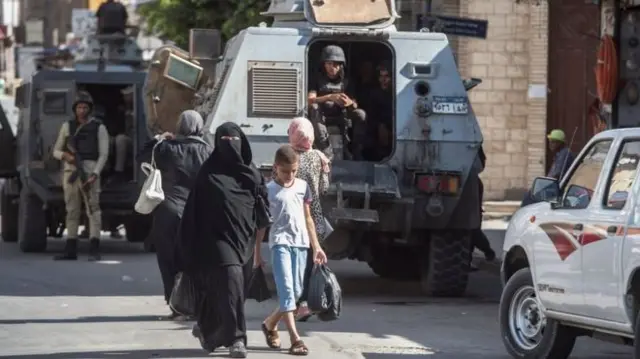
(612, 230)
(578, 227)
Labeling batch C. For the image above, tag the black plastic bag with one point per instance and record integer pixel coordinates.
(325, 294)
(257, 286)
(183, 296)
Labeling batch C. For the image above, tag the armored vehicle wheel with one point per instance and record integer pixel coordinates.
(9, 224)
(396, 263)
(137, 228)
(32, 223)
(525, 331)
(445, 273)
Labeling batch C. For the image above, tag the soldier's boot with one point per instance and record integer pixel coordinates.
(94, 250)
(70, 251)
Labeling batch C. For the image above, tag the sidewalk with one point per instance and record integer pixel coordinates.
(499, 209)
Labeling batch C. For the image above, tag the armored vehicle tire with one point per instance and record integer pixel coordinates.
(9, 224)
(445, 273)
(525, 331)
(401, 263)
(32, 223)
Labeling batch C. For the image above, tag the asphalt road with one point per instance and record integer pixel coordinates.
(112, 309)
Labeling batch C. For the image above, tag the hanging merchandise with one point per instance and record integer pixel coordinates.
(607, 70)
(598, 123)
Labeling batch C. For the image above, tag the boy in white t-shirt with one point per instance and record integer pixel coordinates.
(291, 234)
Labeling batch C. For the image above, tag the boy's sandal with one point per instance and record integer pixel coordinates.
(272, 337)
(299, 349)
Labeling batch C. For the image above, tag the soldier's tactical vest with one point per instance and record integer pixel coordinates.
(326, 87)
(86, 139)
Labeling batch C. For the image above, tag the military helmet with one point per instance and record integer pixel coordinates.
(83, 97)
(333, 53)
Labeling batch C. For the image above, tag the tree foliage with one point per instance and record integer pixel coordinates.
(172, 19)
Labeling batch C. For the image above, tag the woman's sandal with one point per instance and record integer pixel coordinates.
(272, 337)
(298, 348)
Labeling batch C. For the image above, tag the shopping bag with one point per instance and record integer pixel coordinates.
(257, 288)
(151, 194)
(183, 296)
(325, 294)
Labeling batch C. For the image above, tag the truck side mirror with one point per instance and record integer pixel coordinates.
(205, 44)
(545, 189)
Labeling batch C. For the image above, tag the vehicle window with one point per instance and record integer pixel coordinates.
(622, 176)
(54, 103)
(583, 180)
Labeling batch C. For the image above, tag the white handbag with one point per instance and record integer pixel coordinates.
(152, 194)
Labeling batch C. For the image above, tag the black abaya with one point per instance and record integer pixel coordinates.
(220, 313)
(217, 235)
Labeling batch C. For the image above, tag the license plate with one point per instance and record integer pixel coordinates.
(450, 105)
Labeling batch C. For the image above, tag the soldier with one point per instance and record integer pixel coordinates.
(336, 108)
(112, 17)
(83, 145)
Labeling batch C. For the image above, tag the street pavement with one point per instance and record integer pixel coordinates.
(113, 309)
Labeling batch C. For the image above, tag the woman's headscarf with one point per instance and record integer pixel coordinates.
(190, 123)
(220, 209)
(301, 137)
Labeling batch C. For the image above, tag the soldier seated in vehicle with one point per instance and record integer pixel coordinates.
(330, 94)
(123, 138)
(380, 122)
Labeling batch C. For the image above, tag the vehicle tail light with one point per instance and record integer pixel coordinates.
(438, 183)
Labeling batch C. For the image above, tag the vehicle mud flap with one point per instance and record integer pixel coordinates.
(445, 273)
(360, 180)
(32, 223)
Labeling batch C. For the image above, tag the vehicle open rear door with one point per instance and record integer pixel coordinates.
(351, 13)
(174, 77)
(8, 146)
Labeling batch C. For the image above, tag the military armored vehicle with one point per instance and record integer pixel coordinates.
(409, 215)
(32, 197)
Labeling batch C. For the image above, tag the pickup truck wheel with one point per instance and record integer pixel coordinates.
(9, 224)
(32, 223)
(526, 332)
(445, 272)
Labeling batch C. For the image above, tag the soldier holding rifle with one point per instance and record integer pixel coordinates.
(83, 146)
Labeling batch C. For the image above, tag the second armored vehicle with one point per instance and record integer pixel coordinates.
(108, 67)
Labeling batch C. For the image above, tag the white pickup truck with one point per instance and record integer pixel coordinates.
(570, 265)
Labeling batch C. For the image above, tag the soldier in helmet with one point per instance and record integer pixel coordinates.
(83, 146)
(330, 93)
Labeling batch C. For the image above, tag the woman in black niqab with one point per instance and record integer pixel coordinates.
(218, 232)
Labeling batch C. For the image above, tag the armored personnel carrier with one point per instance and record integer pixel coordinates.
(109, 68)
(409, 214)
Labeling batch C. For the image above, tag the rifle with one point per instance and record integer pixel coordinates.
(79, 172)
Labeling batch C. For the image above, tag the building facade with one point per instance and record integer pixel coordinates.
(537, 65)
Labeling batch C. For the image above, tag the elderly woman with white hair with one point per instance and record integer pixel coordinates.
(313, 168)
(179, 157)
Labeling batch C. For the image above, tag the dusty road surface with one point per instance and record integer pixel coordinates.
(112, 309)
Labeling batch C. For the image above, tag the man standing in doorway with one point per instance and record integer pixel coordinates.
(562, 156)
(112, 17)
(83, 145)
(562, 160)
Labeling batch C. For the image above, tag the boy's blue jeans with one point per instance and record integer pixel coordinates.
(289, 265)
